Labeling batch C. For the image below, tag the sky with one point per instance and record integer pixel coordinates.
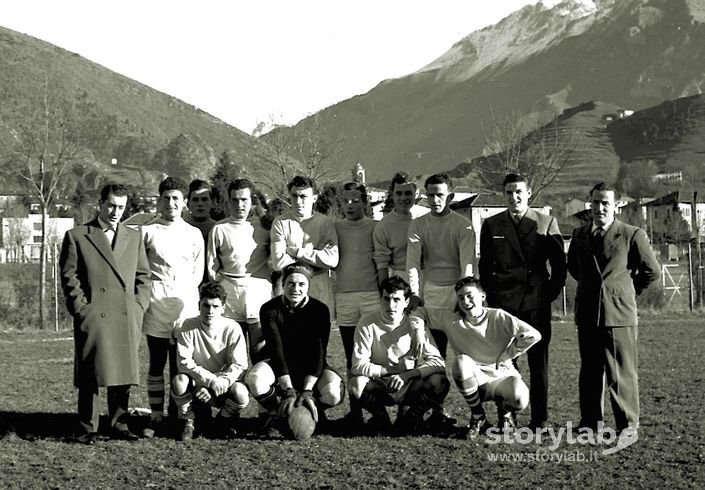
(254, 61)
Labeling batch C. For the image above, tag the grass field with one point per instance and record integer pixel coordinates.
(37, 404)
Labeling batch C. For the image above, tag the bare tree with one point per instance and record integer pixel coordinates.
(304, 149)
(539, 152)
(18, 235)
(45, 146)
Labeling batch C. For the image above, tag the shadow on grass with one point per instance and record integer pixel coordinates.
(64, 427)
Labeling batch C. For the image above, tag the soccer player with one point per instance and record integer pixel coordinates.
(385, 370)
(296, 329)
(391, 233)
(200, 202)
(444, 242)
(212, 356)
(302, 235)
(176, 259)
(356, 288)
(485, 341)
(238, 254)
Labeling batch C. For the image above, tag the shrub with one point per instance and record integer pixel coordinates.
(19, 298)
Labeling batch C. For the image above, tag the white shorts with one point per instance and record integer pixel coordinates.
(439, 305)
(488, 377)
(349, 307)
(168, 307)
(246, 295)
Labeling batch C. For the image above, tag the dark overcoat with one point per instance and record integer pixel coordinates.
(107, 292)
(513, 261)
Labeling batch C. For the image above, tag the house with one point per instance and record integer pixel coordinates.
(20, 238)
(675, 208)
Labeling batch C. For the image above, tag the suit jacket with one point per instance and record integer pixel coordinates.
(513, 261)
(107, 292)
(607, 296)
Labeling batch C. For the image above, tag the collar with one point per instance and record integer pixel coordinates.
(291, 307)
(605, 228)
(105, 226)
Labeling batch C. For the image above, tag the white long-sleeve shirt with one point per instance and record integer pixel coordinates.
(379, 344)
(175, 252)
(313, 238)
(447, 246)
(487, 339)
(204, 354)
(237, 248)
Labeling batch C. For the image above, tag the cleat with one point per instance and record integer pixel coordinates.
(187, 431)
(440, 423)
(379, 424)
(477, 427)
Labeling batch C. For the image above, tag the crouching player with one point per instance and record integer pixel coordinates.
(212, 358)
(385, 368)
(486, 340)
(296, 329)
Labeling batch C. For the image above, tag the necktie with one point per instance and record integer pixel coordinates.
(597, 241)
(110, 235)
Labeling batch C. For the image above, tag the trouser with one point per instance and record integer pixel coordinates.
(611, 353)
(88, 414)
(537, 357)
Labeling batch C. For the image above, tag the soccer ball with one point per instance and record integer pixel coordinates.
(301, 423)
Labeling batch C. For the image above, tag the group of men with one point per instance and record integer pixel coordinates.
(244, 308)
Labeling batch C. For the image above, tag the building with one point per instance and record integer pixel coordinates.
(20, 238)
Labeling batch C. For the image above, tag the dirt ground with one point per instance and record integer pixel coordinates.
(37, 422)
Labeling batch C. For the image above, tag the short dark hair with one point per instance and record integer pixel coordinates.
(604, 187)
(396, 283)
(212, 290)
(197, 185)
(463, 282)
(356, 186)
(514, 178)
(441, 178)
(238, 184)
(300, 181)
(468, 281)
(118, 190)
(401, 178)
(173, 184)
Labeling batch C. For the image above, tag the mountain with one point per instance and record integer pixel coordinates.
(537, 62)
(143, 129)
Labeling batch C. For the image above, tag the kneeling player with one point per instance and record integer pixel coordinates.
(386, 370)
(212, 357)
(296, 330)
(486, 340)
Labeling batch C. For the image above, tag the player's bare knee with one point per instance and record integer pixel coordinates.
(356, 386)
(259, 379)
(179, 384)
(239, 394)
(463, 367)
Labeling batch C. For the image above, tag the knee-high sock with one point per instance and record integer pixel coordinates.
(155, 391)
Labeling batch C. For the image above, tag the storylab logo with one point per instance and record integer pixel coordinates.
(603, 436)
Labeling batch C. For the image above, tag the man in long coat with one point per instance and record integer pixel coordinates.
(105, 277)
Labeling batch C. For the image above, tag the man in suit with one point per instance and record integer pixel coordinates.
(515, 248)
(105, 277)
(613, 263)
